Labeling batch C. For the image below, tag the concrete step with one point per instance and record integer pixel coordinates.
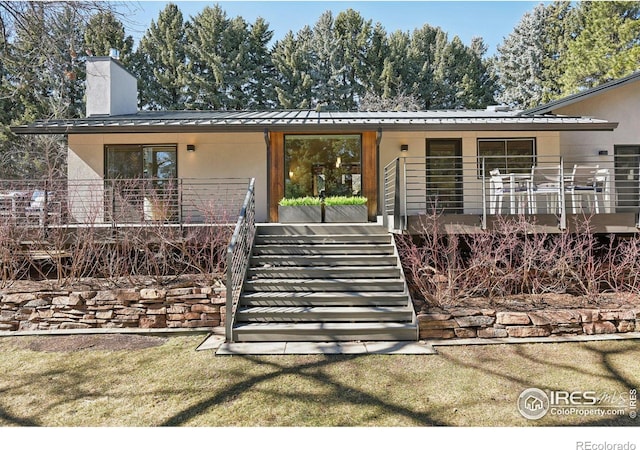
(325, 332)
(324, 314)
(324, 239)
(319, 229)
(324, 249)
(324, 299)
(328, 285)
(323, 260)
(324, 273)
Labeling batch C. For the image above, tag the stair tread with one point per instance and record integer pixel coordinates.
(334, 294)
(294, 281)
(324, 326)
(322, 309)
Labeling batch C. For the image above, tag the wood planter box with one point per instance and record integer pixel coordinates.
(346, 214)
(300, 214)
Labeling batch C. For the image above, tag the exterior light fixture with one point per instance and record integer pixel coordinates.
(191, 148)
(404, 148)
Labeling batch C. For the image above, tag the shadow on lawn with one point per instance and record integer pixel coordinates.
(570, 368)
(345, 393)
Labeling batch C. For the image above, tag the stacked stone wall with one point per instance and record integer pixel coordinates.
(185, 307)
(489, 323)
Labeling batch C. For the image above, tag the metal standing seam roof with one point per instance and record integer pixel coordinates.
(583, 95)
(310, 120)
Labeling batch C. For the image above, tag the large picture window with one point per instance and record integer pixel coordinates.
(157, 162)
(322, 164)
(140, 182)
(506, 155)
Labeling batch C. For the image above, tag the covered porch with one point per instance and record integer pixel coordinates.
(553, 193)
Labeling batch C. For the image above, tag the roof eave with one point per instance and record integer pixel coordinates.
(140, 129)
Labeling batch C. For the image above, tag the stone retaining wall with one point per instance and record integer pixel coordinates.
(188, 307)
(489, 323)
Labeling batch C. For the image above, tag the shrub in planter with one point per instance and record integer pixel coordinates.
(300, 210)
(345, 210)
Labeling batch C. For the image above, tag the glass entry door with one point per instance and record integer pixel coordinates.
(444, 175)
(627, 178)
(322, 164)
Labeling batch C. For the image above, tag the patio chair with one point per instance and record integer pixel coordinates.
(497, 191)
(43, 206)
(545, 181)
(580, 185)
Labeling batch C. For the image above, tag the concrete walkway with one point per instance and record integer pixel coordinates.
(216, 343)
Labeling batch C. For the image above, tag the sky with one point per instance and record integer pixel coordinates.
(491, 20)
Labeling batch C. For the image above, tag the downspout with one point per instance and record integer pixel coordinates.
(380, 197)
(267, 141)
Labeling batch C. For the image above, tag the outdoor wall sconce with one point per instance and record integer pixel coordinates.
(404, 147)
(191, 148)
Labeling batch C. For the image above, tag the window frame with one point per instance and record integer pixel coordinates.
(505, 167)
(139, 148)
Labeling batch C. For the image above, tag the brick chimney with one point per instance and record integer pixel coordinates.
(111, 89)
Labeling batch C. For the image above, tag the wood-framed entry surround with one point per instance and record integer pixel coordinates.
(276, 175)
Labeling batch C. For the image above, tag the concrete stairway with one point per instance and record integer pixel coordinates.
(324, 283)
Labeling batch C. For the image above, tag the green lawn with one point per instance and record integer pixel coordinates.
(174, 385)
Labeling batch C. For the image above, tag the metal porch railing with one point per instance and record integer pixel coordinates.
(120, 202)
(515, 185)
(238, 254)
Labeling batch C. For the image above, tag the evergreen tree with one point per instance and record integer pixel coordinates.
(354, 39)
(105, 32)
(607, 47)
(519, 64)
(426, 58)
(397, 77)
(260, 89)
(326, 70)
(205, 51)
(160, 63)
(291, 58)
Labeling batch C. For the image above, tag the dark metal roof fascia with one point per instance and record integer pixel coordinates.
(353, 127)
(574, 98)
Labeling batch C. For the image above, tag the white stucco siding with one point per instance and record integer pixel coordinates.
(217, 155)
(621, 105)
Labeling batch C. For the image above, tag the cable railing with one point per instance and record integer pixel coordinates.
(238, 254)
(529, 185)
(121, 202)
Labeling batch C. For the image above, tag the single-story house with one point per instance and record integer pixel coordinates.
(469, 164)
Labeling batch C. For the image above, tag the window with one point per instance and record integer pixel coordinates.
(316, 164)
(140, 182)
(157, 162)
(506, 155)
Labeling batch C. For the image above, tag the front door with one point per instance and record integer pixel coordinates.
(627, 177)
(444, 175)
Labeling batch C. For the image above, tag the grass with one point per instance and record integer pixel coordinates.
(174, 385)
(301, 201)
(345, 201)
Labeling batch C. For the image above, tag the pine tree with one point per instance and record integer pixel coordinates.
(354, 38)
(397, 77)
(520, 60)
(160, 62)
(607, 47)
(205, 51)
(291, 58)
(105, 32)
(326, 70)
(260, 89)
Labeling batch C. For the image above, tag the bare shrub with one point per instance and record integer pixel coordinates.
(516, 258)
(115, 238)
